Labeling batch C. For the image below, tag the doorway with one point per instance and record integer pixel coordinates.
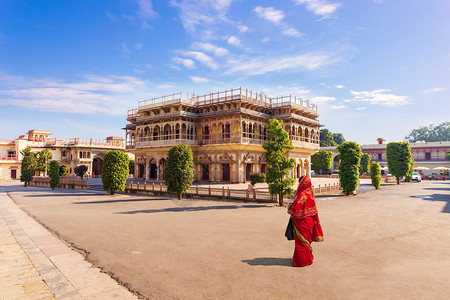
(13, 174)
(225, 172)
(248, 170)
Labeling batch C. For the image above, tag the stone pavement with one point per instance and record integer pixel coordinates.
(37, 265)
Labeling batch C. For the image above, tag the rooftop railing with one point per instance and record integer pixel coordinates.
(84, 142)
(9, 157)
(223, 96)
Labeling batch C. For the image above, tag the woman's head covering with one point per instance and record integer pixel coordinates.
(304, 204)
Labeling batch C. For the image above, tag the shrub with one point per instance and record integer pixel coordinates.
(115, 171)
(322, 160)
(399, 159)
(63, 171)
(350, 156)
(80, 170)
(131, 166)
(257, 178)
(179, 172)
(365, 162)
(375, 172)
(27, 167)
(53, 172)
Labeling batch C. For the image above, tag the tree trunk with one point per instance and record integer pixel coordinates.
(398, 180)
(348, 193)
(25, 183)
(179, 196)
(112, 192)
(280, 199)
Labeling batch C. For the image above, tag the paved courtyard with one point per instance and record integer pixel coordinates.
(389, 243)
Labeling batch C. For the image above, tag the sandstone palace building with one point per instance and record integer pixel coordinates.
(225, 130)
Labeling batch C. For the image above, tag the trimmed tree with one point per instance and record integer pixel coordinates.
(80, 171)
(42, 158)
(408, 177)
(115, 171)
(179, 171)
(53, 172)
(399, 158)
(131, 166)
(257, 178)
(350, 155)
(27, 167)
(322, 160)
(278, 164)
(375, 174)
(365, 163)
(63, 171)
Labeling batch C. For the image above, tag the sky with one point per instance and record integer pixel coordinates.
(375, 68)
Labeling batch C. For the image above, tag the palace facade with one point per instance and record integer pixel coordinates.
(69, 152)
(225, 130)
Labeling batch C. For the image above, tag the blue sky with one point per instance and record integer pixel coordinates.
(375, 68)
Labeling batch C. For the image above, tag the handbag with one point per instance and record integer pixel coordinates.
(290, 230)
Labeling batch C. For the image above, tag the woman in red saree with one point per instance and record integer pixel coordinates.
(306, 223)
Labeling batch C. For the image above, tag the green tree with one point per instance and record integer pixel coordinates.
(430, 133)
(257, 178)
(375, 174)
(350, 156)
(322, 160)
(131, 166)
(408, 177)
(27, 167)
(278, 164)
(179, 171)
(42, 158)
(80, 171)
(326, 138)
(53, 172)
(115, 170)
(338, 138)
(399, 159)
(63, 171)
(365, 162)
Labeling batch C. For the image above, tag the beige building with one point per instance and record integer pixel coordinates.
(225, 130)
(69, 152)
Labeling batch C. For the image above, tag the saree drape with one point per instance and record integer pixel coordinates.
(306, 223)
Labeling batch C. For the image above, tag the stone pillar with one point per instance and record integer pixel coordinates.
(147, 168)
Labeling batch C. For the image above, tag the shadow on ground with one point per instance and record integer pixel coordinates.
(184, 209)
(120, 200)
(437, 197)
(269, 261)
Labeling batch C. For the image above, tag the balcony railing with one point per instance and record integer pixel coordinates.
(84, 142)
(216, 138)
(9, 157)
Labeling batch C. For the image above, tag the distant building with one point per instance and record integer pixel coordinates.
(427, 155)
(69, 152)
(225, 131)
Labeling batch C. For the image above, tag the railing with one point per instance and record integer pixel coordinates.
(63, 182)
(9, 157)
(216, 138)
(254, 195)
(84, 142)
(222, 96)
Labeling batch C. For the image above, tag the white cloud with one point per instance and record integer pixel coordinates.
(434, 90)
(234, 41)
(379, 97)
(378, 1)
(291, 32)
(201, 13)
(361, 108)
(265, 40)
(111, 17)
(339, 86)
(269, 13)
(91, 95)
(125, 51)
(202, 58)
(322, 99)
(208, 47)
(196, 79)
(293, 90)
(138, 71)
(243, 28)
(337, 106)
(262, 65)
(145, 11)
(138, 46)
(320, 7)
(166, 86)
(188, 63)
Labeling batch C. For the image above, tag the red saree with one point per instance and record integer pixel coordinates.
(306, 223)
